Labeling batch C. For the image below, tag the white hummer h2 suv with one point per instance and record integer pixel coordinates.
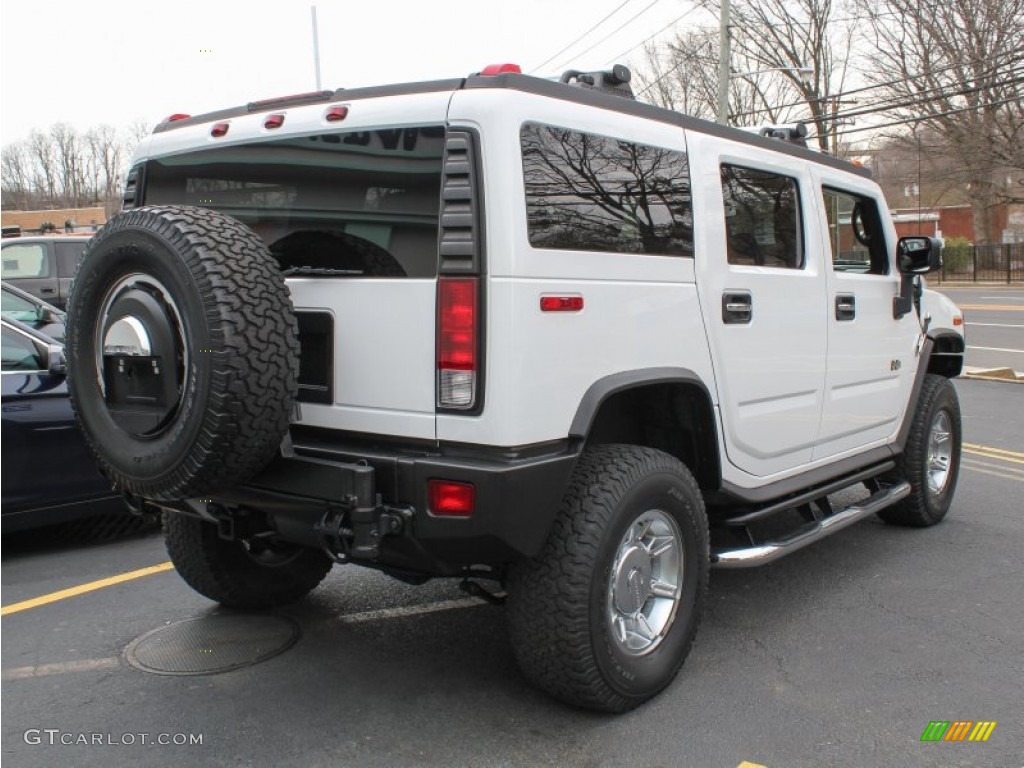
(517, 331)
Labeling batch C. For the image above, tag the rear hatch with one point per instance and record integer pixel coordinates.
(350, 209)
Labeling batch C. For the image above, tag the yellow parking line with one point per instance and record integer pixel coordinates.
(990, 449)
(988, 455)
(63, 594)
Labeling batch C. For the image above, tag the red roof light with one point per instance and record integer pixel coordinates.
(274, 121)
(334, 114)
(219, 129)
(500, 69)
(176, 117)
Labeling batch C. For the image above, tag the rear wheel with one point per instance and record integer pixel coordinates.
(931, 459)
(604, 617)
(259, 573)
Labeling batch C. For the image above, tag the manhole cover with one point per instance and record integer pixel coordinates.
(211, 644)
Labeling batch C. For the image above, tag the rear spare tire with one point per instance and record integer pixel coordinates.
(182, 351)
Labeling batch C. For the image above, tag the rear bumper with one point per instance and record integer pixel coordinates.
(517, 497)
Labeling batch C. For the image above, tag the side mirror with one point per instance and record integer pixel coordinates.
(919, 255)
(49, 316)
(55, 360)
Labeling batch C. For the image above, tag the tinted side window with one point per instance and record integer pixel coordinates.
(20, 353)
(594, 193)
(67, 257)
(855, 233)
(25, 260)
(762, 218)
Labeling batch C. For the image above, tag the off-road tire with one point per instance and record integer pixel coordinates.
(227, 573)
(924, 506)
(557, 601)
(238, 335)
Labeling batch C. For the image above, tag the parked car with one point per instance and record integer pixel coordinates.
(32, 311)
(49, 476)
(43, 265)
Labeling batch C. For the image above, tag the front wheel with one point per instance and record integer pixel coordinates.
(931, 459)
(604, 617)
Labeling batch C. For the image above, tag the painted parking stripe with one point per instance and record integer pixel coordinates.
(61, 668)
(82, 589)
(411, 610)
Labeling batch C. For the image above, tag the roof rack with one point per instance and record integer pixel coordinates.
(614, 81)
(794, 133)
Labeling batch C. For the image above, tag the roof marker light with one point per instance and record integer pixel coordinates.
(335, 114)
(176, 117)
(501, 69)
(274, 121)
(219, 129)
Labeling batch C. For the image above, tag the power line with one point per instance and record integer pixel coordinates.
(923, 118)
(619, 7)
(875, 86)
(672, 23)
(614, 31)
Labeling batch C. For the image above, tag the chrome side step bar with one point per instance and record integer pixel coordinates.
(750, 557)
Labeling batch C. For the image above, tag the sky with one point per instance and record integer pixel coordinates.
(115, 62)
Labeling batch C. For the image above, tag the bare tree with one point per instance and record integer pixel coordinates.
(955, 69)
(773, 45)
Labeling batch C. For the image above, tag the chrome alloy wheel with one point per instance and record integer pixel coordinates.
(940, 453)
(142, 358)
(646, 582)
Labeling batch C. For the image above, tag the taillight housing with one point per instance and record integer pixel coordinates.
(458, 342)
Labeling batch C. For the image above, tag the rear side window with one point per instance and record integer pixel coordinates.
(23, 260)
(594, 193)
(67, 257)
(855, 233)
(360, 203)
(762, 218)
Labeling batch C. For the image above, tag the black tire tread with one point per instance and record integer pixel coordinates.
(222, 571)
(254, 338)
(547, 606)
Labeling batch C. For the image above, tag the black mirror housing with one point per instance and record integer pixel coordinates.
(919, 255)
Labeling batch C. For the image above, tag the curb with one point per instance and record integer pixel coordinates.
(994, 374)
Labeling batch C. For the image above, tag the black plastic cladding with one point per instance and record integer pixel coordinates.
(133, 187)
(460, 246)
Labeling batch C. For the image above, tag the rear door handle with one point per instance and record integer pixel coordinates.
(737, 307)
(846, 306)
(47, 290)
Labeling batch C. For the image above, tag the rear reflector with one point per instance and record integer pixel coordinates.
(561, 303)
(457, 341)
(451, 499)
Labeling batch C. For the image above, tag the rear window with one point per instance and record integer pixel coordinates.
(360, 203)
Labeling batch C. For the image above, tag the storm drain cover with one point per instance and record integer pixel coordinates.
(211, 644)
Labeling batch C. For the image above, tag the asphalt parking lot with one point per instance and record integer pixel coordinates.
(840, 655)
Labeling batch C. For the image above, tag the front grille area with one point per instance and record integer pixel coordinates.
(316, 361)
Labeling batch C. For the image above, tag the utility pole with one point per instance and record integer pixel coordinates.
(316, 47)
(724, 51)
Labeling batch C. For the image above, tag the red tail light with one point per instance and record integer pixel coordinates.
(457, 341)
(451, 499)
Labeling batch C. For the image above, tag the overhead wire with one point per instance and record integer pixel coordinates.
(672, 23)
(618, 8)
(613, 32)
